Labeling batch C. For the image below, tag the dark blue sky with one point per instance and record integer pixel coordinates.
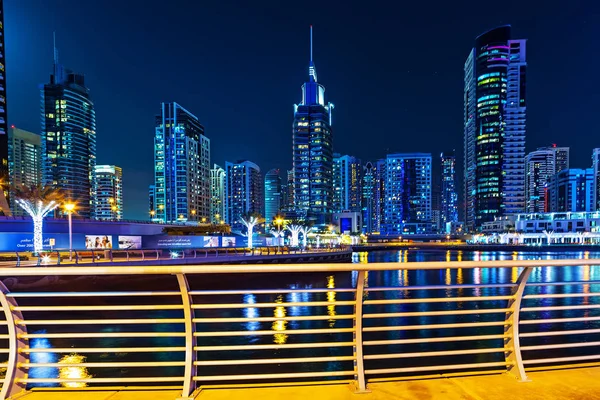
(394, 71)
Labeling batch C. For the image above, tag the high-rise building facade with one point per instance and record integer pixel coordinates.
(181, 166)
(313, 151)
(494, 127)
(272, 195)
(571, 190)
(69, 138)
(449, 196)
(540, 165)
(152, 202)
(596, 168)
(110, 192)
(347, 182)
(24, 161)
(408, 194)
(243, 192)
(217, 194)
(4, 153)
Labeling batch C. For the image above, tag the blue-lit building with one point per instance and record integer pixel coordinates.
(24, 162)
(69, 138)
(494, 127)
(449, 197)
(540, 165)
(243, 192)
(572, 190)
(373, 196)
(217, 194)
(181, 167)
(109, 197)
(272, 195)
(4, 177)
(347, 182)
(313, 151)
(407, 194)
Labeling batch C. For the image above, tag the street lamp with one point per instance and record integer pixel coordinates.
(193, 214)
(69, 208)
(203, 220)
(278, 222)
(216, 219)
(152, 212)
(111, 202)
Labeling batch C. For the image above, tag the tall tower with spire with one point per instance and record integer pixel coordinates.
(4, 209)
(313, 150)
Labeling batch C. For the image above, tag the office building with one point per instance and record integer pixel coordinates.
(313, 151)
(540, 165)
(373, 184)
(596, 168)
(24, 161)
(448, 194)
(272, 195)
(408, 194)
(494, 127)
(243, 192)
(347, 181)
(110, 192)
(181, 166)
(571, 190)
(4, 152)
(69, 138)
(217, 194)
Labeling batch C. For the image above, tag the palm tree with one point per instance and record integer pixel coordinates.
(37, 201)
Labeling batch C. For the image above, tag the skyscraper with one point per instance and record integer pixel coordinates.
(540, 165)
(181, 166)
(243, 192)
(24, 161)
(152, 202)
(571, 190)
(596, 168)
(217, 194)
(4, 177)
(494, 127)
(313, 151)
(272, 195)
(373, 184)
(69, 138)
(347, 181)
(408, 193)
(449, 197)
(110, 192)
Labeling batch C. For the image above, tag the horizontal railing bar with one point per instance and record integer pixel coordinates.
(272, 376)
(273, 361)
(271, 319)
(271, 332)
(105, 364)
(273, 346)
(83, 335)
(440, 287)
(433, 353)
(433, 326)
(557, 320)
(90, 294)
(437, 313)
(561, 359)
(558, 308)
(269, 291)
(431, 340)
(437, 300)
(559, 296)
(564, 283)
(103, 350)
(103, 380)
(127, 388)
(561, 346)
(102, 321)
(559, 333)
(435, 368)
(271, 305)
(99, 308)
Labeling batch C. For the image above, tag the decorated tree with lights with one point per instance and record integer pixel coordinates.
(304, 229)
(38, 202)
(295, 231)
(250, 221)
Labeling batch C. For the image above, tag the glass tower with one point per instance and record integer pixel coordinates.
(313, 151)
(217, 194)
(373, 184)
(571, 190)
(494, 127)
(540, 165)
(181, 166)
(449, 197)
(69, 138)
(272, 195)
(110, 192)
(347, 181)
(243, 192)
(4, 177)
(25, 161)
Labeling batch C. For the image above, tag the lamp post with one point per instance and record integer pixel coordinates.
(69, 207)
(278, 221)
(193, 214)
(111, 202)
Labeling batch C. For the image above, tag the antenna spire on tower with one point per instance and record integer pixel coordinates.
(55, 49)
(312, 71)
(311, 45)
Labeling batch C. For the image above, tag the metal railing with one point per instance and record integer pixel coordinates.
(187, 331)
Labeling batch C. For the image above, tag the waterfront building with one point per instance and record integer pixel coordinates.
(347, 181)
(110, 192)
(596, 168)
(373, 184)
(289, 204)
(313, 151)
(4, 151)
(571, 190)
(494, 127)
(408, 194)
(69, 138)
(243, 192)
(539, 166)
(272, 195)
(24, 161)
(559, 222)
(152, 202)
(181, 166)
(217, 194)
(449, 196)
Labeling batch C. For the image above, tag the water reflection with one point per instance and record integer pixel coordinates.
(42, 357)
(73, 371)
(280, 324)
(251, 312)
(331, 299)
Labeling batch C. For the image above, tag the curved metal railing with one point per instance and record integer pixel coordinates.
(181, 331)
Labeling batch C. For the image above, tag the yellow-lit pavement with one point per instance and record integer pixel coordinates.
(569, 384)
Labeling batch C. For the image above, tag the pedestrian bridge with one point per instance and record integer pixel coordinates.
(490, 328)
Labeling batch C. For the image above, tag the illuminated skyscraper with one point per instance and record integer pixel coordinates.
(110, 192)
(449, 197)
(494, 127)
(347, 182)
(373, 196)
(24, 161)
(571, 190)
(217, 194)
(69, 138)
(3, 119)
(313, 151)
(272, 195)
(243, 192)
(181, 166)
(540, 165)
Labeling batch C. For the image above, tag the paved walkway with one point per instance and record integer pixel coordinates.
(570, 384)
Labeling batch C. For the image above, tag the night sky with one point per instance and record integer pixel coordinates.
(394, 71)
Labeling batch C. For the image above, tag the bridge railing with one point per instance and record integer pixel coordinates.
(189, 327)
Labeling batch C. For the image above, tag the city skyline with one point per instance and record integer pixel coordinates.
(285, 68)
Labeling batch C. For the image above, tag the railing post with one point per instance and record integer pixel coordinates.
(11, 385)
(18, 260)
(157, 255)
(190, 339)
(512, 344)
(360, 384)
(58, 259)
